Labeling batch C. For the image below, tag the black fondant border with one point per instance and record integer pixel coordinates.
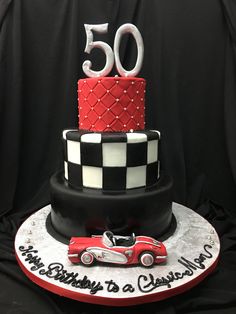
(59, 237)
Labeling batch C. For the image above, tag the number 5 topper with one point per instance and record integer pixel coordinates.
(110, 55)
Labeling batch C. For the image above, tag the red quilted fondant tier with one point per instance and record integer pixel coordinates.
(111, 104)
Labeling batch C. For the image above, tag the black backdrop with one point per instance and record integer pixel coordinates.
(190, 68)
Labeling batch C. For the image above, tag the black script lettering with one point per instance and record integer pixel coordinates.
(53, 270)
(95, 287)
(128, 288)
(35, 260)
(27, 250)
(112, 286)
(85, 283)
(152, 283)
(61, 276)
(72, 279)
(191, 266)
(56, 271)
(149, 283)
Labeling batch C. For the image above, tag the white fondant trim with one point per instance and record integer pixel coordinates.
(136, 137)
(92, 177)
(73, 152)
(91, 138)
(66, 170)
(72, 255)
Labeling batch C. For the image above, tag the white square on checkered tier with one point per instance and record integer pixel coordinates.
(66, 170)
(92, 177)
(136, 177)
(73, 152)
(136, 137)
(152, 151)
(91, 138)
(114, 154)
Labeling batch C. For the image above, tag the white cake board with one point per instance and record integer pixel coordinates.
(193, 252)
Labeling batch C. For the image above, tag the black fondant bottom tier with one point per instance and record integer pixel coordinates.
(145, 211)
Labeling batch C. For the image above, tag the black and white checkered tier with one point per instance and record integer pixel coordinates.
(111, 161)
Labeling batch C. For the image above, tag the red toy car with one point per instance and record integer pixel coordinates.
(110, 248)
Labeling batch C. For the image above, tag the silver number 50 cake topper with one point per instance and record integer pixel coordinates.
(112, 55)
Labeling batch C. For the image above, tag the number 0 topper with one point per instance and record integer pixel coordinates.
(110, 55)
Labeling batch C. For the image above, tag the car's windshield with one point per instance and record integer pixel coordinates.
(107, 238)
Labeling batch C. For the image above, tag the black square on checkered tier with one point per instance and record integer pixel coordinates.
(152, 173)
(64, 142)
(152, 135)
(114, 137)
(136, 154)
(114, 178)
(75, 135)
(91, 154)
(74, 174)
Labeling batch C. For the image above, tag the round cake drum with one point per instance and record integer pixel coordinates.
(193, 252)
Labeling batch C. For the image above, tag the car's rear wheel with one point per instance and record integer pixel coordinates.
(147, 259)
(87, 258)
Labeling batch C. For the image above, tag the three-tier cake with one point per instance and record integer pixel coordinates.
(111, 178)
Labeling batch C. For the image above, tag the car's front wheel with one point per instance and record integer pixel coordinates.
(86, 258)
(146, 259)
